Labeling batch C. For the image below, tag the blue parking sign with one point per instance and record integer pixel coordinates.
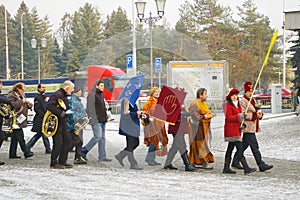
(158, 65)
(129, 61)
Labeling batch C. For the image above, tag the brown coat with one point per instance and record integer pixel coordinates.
(20, 107)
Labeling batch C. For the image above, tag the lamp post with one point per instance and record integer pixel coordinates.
(284, 57)
(6, 46)
(140, 6)
(133, 41)
(33, 45)
(22, 54)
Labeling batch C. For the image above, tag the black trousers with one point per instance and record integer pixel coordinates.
(249, 139)
(17, 137)
(75, 142)
(2, 136)
(61, 146)
(239, 150)
(131, 143)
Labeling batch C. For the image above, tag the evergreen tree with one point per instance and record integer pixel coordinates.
(57, 57)
(12, 45)
(74, 63)
(255, 38)
(87, 30)
(295, 60)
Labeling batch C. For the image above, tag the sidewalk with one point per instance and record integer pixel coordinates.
(279, 144)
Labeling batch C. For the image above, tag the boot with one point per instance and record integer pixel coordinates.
(188, 166)
(84, 151)
(133, 162)
(235, 163)
(226, 169)
(247, 169)
(170, 166)
(120, 156)
(264, 167)
(28, 154)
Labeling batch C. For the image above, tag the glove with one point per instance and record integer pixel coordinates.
(241, 116)
(63, 113)
(185, 113)
(68, 112)
(12, 106)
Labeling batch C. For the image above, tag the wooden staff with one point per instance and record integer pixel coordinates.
(261, 69)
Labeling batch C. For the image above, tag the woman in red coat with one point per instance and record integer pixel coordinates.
(232, 133)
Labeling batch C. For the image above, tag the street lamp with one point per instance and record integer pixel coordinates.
(22, 53)
(284, 57)
(33, 45)
(140, 6)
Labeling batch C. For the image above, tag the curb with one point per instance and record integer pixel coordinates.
(279, 115)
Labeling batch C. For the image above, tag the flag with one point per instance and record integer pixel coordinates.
(132, 90)
(168, 104)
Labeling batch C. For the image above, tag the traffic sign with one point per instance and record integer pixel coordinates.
(158, 65)
(129, 61)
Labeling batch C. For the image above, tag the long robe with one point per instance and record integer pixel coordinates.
(200, 135)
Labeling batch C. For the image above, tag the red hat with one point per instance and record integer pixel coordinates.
(232, 92)
(248, 86)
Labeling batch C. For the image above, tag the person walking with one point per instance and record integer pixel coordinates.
(21, 106)
(297, 98)
(96, 111)
(58, 105)
(77, 116)
(200, 153)
(40, 110)
(4, 102)
(155, 137)
(252, 127)
(178, 130)
(232, 133)
(130, 127)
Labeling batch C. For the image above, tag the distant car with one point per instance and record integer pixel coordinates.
(265, 98)
(286, 94)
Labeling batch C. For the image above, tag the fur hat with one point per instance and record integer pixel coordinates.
(248, 86)
(232, 92)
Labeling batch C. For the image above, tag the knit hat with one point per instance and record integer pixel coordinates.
(248, 86)
(232, 92)
(76, 89)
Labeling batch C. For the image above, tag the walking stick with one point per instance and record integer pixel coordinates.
(242, 126)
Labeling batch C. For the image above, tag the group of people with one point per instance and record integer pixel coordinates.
(241, 125)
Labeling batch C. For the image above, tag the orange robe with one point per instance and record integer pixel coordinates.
(155, 131)
(200, 135)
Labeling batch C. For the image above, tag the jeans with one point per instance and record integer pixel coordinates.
(35, 138)
(151, 153)
(99, 137)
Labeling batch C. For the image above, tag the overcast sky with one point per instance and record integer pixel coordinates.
(55, 9)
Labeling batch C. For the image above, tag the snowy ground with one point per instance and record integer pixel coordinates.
(279, 145)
